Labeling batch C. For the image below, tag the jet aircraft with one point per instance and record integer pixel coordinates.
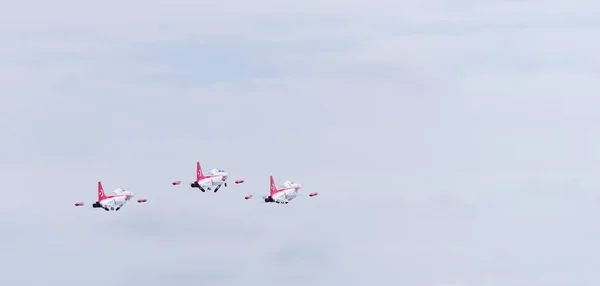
(112, 202)
(284, 195)
(216, 177)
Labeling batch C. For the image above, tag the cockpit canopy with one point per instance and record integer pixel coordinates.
(217, 171)
(288, 184)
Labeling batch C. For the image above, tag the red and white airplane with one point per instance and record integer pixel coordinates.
(112, 202)
(284, 195)
(203, 182)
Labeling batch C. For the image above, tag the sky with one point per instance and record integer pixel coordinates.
(451, 142)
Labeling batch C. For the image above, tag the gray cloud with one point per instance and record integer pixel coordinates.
(450, 144)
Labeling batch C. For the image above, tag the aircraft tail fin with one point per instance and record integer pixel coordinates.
(273, 187)
(199, 174)
(101, 194)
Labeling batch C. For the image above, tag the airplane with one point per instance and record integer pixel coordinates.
(112, 202)
(284, 195)
(203, 182)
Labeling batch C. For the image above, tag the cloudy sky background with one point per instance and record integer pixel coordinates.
(451, 142)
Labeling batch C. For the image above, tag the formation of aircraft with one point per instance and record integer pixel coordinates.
(215, 179)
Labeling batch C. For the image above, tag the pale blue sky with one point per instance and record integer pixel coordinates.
(451, 142)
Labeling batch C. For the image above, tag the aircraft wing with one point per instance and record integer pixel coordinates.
(302, 195)
(249, 197)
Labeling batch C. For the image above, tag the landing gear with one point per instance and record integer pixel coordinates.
(196, 185)
(106, 209)
(209, 188)
(225, 185)
(217, 188)
(117, 208)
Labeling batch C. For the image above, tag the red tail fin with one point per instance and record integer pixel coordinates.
(101, 195)
(273, 187)
(199, 174)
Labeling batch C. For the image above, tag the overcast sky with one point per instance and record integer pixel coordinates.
(451, 142)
